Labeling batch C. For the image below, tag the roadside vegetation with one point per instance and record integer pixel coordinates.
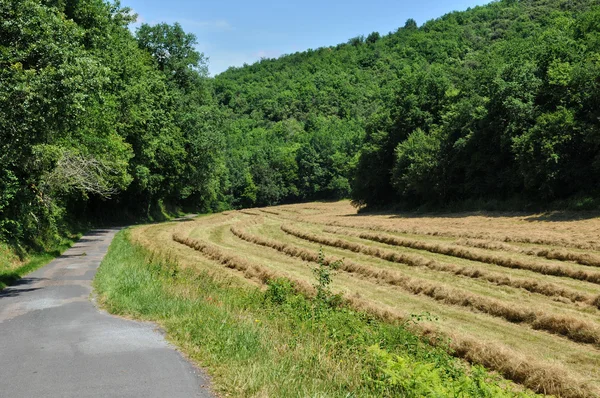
(14, 266)
(278, 339)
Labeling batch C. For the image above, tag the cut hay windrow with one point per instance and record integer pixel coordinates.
(249, 269)
(575, 329)
(289, 210)
(474, 235)
(250, 213)
(531, 373)
(462, 252)
(414, 260)
(272, 212)
(544, 269)
(551, 254)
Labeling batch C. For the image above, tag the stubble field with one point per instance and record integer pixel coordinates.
(519, 294)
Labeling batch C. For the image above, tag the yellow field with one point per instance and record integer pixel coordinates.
(518, 294)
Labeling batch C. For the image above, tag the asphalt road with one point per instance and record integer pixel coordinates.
(54, 342)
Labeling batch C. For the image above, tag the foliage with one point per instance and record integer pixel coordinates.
(13, 268)
(495, 103)
(498, 102)
(403, 376)
(323, 274)
(92, 119)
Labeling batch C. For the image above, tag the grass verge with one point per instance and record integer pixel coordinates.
(276, 342)
(12, 268)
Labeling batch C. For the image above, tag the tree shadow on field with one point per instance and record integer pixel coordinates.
(561, 216)
(552, 216)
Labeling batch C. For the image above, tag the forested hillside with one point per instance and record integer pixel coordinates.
(497, 102)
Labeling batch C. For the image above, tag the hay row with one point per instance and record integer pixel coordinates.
(476, 235)
(461, 252)
(289, 210)
(544, 269)
(270, 212)
(249, 213)
(533, 374)
(413, 260)
(249, 269)
(551, 254)
(572, 328)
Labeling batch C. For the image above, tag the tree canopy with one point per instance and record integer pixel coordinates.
(493, 103)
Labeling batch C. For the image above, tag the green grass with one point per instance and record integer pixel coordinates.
(10, 274)
(275, 342)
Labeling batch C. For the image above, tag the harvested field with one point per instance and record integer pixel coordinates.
(519, 294)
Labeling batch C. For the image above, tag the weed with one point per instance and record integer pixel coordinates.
(323, 274)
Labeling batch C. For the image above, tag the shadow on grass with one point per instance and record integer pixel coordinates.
(8, 279)
(14, 277)
(558, 216)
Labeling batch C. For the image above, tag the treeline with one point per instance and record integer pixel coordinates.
(499, 102)
(96, 122)
(494, 103)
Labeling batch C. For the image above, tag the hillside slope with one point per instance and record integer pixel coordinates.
(495, 102)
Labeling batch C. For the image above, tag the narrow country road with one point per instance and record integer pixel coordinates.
(55, 343)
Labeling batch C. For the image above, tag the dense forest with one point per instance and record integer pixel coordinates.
(495, 103)
(499, 102)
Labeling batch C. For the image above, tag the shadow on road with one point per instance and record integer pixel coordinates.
(16, 287)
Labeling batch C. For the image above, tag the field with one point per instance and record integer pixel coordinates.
(519, 294)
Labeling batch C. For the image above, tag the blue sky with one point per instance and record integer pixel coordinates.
(235, 32)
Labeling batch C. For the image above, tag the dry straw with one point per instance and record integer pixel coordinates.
(275, 213)
(540, 377)
(250, 213)
(570, 327)
(484, 257)
(249, 269)
(414, 260)
(551, 254)
(476, 235)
